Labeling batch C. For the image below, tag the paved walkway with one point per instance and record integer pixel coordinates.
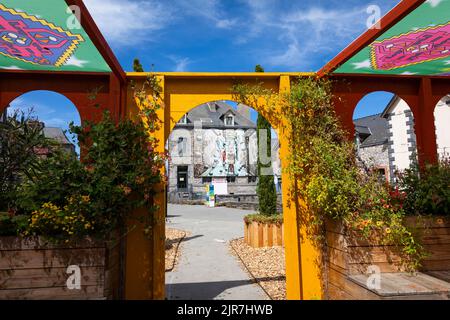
(206, 269)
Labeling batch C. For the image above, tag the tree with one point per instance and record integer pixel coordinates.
(21, 138)
(137, 66)
(267, 195)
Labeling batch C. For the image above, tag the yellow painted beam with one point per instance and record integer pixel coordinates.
(184, 91)
(220, 74)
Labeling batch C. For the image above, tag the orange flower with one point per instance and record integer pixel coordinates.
(140, 180)
(126, 190)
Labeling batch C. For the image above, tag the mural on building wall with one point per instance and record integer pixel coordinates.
(30, 39)
(226, 153)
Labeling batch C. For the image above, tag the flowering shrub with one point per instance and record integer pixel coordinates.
(324, 174)
(62, 223)
(427, 191)
(120, 171)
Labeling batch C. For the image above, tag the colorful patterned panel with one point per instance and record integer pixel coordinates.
(34, 35)
(419, 44)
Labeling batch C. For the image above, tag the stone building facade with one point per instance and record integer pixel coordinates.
(215, 144)
(387, 141)
(372, 144)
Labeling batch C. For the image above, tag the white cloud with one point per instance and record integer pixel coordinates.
(207, 9)
(127, 22)
(180, 63)
(301, 33)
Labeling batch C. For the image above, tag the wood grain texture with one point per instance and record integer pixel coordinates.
(35, 269)
(258, 235)
(349, 255)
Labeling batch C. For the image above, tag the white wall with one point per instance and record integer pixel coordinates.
(399, 135)
(442, 124)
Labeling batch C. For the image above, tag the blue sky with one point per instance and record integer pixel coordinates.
(221, 35)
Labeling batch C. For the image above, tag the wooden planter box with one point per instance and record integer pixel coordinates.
(349, 255)
(35, 269)
(258, 235)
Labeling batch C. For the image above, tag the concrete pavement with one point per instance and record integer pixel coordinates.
(206, 269)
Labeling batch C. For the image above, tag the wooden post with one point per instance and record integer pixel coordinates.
(424, 125)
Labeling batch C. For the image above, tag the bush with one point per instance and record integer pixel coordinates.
(427, 190)
(20, 137)
(267, 196)
(68, 199)
(274, 218)
(325, 181)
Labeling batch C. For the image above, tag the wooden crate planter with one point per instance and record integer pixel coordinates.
(349, 255)
(35, 269)
(258, 235)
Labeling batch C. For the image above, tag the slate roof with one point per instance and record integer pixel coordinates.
(373, 130)
(56, 134)
(213, 114)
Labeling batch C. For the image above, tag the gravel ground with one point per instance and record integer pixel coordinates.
(173, 247)
(267, 265)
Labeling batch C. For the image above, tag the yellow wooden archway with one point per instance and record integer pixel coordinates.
(183, 92)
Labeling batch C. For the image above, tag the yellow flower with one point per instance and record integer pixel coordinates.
(126, 190)
(140, 180)
(387, 230)
(380, 223)
(86, 198)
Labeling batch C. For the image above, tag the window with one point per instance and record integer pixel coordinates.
(206, 180)
(252, 179)
(182, 177)
(381, 173)
(182, 145)
(229, 120)
(231, 179)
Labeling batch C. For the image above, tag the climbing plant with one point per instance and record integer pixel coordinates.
(325, 181)
(267, 196)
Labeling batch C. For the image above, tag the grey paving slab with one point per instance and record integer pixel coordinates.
(206, 269)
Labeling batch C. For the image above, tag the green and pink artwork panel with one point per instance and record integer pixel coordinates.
(419, 44)
(43, 35)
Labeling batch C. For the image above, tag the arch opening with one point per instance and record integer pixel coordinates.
(53, 111)
(212, 178)
(385, 138)
(441, 121)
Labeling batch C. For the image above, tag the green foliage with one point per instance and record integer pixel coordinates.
(259, 68)
(67, 199)
(274, 218)
(326, 182)
(58, 177)
(21, 137)
(137, 66)
(427, 190)
(267, 195)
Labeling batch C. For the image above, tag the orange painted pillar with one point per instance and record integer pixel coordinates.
(424, 125)
(139, 260)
